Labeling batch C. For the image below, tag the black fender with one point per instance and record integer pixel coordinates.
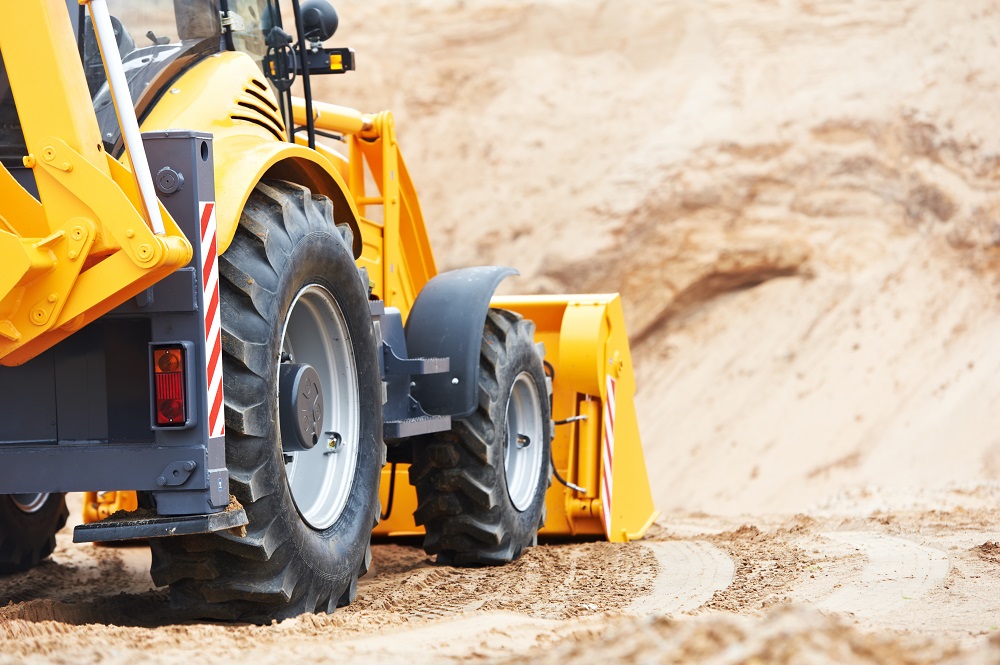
(447, 321)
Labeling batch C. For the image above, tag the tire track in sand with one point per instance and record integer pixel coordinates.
(898, 571)
(691, 572)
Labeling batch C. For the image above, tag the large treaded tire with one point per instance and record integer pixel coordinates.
(462, 494)
(282, 567)
(28, 537)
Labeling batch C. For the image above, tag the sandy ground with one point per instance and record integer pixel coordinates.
(904, 585)
(800, 203)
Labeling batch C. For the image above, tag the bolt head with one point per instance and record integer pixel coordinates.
(168, 181)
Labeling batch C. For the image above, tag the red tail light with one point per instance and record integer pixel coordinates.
(169, 381)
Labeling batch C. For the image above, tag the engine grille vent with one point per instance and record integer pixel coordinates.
(255, 107)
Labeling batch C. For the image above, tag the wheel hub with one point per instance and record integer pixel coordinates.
(300, 397)
(319, 413)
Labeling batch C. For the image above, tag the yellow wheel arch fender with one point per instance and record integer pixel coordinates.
(241, 161)
(226, 96)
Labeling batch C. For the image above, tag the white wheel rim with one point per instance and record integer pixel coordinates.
(523, 446)
(320, 479)
(29, 503)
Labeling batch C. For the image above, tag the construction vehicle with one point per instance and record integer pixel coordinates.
(214, 320)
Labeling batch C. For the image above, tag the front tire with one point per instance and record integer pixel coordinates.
(481, 487)
(28, 526)
(290, 292)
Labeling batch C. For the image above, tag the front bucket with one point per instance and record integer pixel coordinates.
(599, 449)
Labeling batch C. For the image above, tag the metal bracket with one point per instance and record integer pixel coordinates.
(231, 20)
(411, 366)
(176, 473)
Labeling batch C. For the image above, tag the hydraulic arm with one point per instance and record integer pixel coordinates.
(82, 246)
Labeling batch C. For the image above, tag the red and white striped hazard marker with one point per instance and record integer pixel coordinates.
(608, 453)
(213, 320)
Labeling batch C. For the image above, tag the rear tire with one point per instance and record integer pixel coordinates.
(28, 526)
(481, 492)
(288, 285)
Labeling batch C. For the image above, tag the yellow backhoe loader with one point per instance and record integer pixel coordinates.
(234, 338)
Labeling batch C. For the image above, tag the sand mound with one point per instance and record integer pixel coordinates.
(785, 636)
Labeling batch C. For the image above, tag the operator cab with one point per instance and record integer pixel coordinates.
(159, 39)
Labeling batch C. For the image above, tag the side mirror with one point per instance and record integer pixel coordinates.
(319, 20)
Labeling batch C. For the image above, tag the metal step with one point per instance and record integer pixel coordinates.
(143, 523)
(399, 429)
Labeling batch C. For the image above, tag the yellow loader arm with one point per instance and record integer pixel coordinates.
(86, 247)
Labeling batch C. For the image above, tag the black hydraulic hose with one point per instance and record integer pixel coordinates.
(319, 132)
(289, 108)
(555, 472)
(551, 371)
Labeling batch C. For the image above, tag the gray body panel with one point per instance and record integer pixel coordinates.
(79, 417)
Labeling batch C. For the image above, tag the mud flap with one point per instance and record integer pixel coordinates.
(599, 449)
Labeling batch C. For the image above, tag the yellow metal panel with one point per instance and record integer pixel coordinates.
(371, 254)
(338, 160)
(415, 247)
